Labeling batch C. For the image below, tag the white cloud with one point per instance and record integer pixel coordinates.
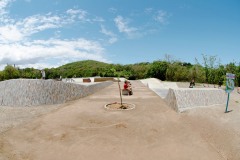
(47, 51)
(148, 10)
(98, 19)
(57, 34)
(17, 31)
(38, 65)
(113, 37)
(3, 11)
(112, 40)
(122, 25)
(19, 47)
(21, 29)
(10, 33)
(3, 5)
(79, 14)
(112, 10)
(161, 16)
(37, 23)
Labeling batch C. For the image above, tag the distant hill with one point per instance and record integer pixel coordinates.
(86, 64)
(83, 68)
(176, 71)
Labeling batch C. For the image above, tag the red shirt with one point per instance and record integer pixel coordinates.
(125, 86)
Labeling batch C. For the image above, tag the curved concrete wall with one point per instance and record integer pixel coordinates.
(186, 98)
(31, 92)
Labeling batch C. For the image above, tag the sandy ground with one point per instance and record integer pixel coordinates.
(84, 130)
(13, 116)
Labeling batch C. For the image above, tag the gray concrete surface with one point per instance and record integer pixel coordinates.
(33, 92)
(181, 99)
(161, 88)
(83, 129)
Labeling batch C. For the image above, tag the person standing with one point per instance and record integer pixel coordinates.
(43, 74)
(192, 84)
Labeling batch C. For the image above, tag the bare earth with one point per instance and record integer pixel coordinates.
(84, 130)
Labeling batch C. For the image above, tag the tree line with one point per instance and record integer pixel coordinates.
(210, 71)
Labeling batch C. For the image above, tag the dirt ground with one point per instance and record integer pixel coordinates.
(84, 130)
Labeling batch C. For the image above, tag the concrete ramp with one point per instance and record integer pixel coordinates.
(33, 92)
(186, 98)
(159, 87)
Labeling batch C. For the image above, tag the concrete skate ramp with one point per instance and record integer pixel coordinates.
(31, 92)
(159, 87)
(187, 98)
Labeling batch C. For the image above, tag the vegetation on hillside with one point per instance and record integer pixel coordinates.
(209, 72)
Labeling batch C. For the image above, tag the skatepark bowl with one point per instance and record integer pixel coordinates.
(46, 119)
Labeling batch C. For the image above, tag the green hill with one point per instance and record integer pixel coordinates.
(86, 64)
(171, 71)
(84, 68)
(91, 68)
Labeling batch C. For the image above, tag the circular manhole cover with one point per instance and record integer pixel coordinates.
(119, 106)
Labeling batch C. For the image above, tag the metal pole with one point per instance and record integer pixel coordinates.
(226, 111)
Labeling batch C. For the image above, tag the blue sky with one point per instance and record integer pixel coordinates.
(50, 33)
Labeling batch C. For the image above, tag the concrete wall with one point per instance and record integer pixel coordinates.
(33, 92)
(93, 79)
(186, 98)
(161, 88)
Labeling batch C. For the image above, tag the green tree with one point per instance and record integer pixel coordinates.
(238, 75)
(158, 69)
(177, 72)
(1, 75)
(209, 64)
(140, 70)
(220, 75)
(10, 72)
(231, 68)
(197, 73)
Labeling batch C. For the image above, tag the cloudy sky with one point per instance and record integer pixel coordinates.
(50, 33)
